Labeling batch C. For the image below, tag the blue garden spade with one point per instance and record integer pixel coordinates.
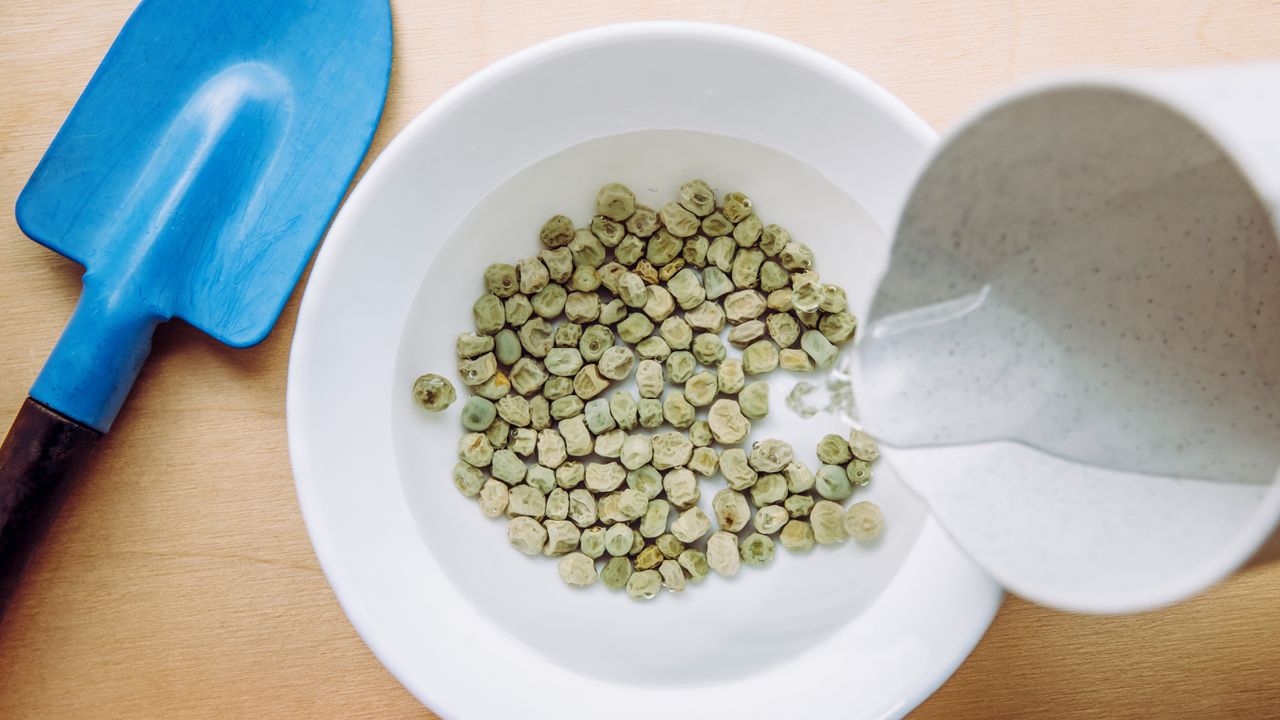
(192, 180)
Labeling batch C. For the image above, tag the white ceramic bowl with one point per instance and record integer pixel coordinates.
(473, 628)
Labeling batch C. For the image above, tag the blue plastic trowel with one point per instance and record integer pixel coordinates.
(192, 180)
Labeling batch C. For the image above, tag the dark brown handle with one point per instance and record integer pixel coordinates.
(37, 461)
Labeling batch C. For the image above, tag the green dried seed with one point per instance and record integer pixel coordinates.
(610, 273)
(703, 461)
(747, 232)
(677, 410)
(708, 348)
(622, 405)
(470, 345)
(779, 300)
(539, 413)
(694, 563)
(773, 239)
(735, 469)
(770, 519)
(527, 376)
(757, 549)
(754, 400)
(631, 289)
(508, 467)
(515, 410)
(808, 319)
(672, 575)
(659, 304)
(615, 201)
(772, 456)
(608, 232)
(537, 337)
(654, 521)
(616, 363)
(864, 447)
(568, 335)
(722, 553)
(559, 264)
(697, 197)
(488, 314)
(526, 535)
(577, 570)
(562, 538)
(832, 483)
(469, 480)
(523, 441)
(647, 272)
(680, 366)
(798, 506)
(669, 545)
(599, 419)
(589, 383)
(670, 449)
(717, 284)
(681, 487)
(499, 433)
(518, 310)
(564, 361)
(548, 303)
(661, 249)
(690, 526)
(585, 279)
(477, 370)
(500, 279)
(645, 479)
(818, 348)
(700, 389)
(834, 450)
(686, 288)
(769, 490)
(716, 225)
(731, 510)
(570, 474)
(595, 340)
(637, 451)
(694, 252)
(796, 256)
(507, 346)
(556, 232)
(708, 317)
(720, 253)
(612, 311)
(582, 507)
(653, 348)
(864, 521)
(433, 392)
(730, 376)
(783, 328)
(632, 504)
(475, 449)
(526, 501)
(649, 381)
(493, 498)
(736, 207)
(746, 267)
(630, 250)
(834, 299)
(678, 221)
(797, 536)
(668, 271)
(728, 425)
(582, 307)
(591, 542)
(551, 448)
(773, 277)
(557, 504)
(676, 332)
(617, 540)
(609, 443)
(858, 472)
(644, 222)
(533, 275)
(838, 327)
(760, 357)
(806, 291)
(616, 572)
(746, 333)
(495, 388)
(650, 411)
(635, 328)
(644, 584)
(742, 306)
(577, 439)
(827, 519)
(699, 431)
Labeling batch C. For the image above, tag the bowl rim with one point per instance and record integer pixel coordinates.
(987, 593)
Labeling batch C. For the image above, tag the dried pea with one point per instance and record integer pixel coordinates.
(433, 392)
(783, 328)
(515, 410)
(649, 380)
(615, 201)
(643, 222)
(728, 425)
(864, 521)
(568, 334)
(662, 248)
(716, 225)
(773, 239)
(557, 504)
(493, 498)
(650, 410)
(818, 348)
(495, 388)
(677, 410)
(715, 282)
(589, 383)
(499, 433)
(703, 461)
(834, 299)
(577, 438)
(678, 221)
(647, 272)
(745, 272)
(617, 539)
(548, 302)
(612, 311)
(838, 327)
(680, 366)
(779, 300)
(526, 535)
(827, 519)
(616, 572)
(672, 575)
(700, 389)
(669, 545)
(475, 449)
(653, 348)
(637, 451)
(644, 584)
(743, 305)
(670, 449)
(582, 307)
(681, 487)
(635, 328)
(773, 277)
(731, 509)
(654, 521)
(834, 450)
(526, 501)
(630, 250)
(632, 503)
(556, 232)
(559, 263)
(770, 488)
(754, 400)
(720, 253)
(736, 207)
(735, 469)
(858, 472)
(760, 357)
(523, 441)
(616, 362)
(806, 291)
(796, 256)
(746, 333)
(500, 279)
(468, 479)
(747, 232)
(551, 449)
(694, 253)
(697, 197)
(622, 405)
(650, 557)
(609, 443)
(562, 537)
(537, 337)
(582, 508)
(864, 447)
(676, 332)
(476, 371)
(722, 553)
(591, 543)
(594, 341)
(694, 563)
(566, 407)
(686, 287)
(708, 348)
(508, 467)
(658, 304)
(757, 549)
(577, 570)
(518, 309)
(770, 519)
(832, 483)
(533, 274)
(797, 536)
(570, 474)
(645, 479)
(608, 232)
(798, 506)
(599, 419)
(470, 345)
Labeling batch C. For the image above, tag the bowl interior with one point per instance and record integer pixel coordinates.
(722, 627)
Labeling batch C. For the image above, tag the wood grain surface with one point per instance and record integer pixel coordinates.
(179, 582)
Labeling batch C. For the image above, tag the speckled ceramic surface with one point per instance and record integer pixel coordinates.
(1076, 349)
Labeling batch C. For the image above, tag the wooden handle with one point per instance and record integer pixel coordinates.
(37, 460)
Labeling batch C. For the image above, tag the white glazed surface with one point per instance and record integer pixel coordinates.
(468, 625)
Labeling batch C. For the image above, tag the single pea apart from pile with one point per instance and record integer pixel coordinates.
(608, 480)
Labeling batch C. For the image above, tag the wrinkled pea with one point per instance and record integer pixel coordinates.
(647, 272)
(746, 333)
(757, 549)
(668, 271)
(700, 389)
(649, 380)
(577, 570)
(773, 277)
(736, 207)
(653, 348)
(654, 521)
(818, 348)
(686, 287)
(690, 526)
(533, 275)
(730, 377)
(630, 250)
(566, 407)
(582, 307)
(526, 501)
(799, 478)
(540, 478)
(557, 504)
(549, 301)
(770, 519)
(695, 564)
(471, 345)
(708, 348)
(594, 341)
(616, 572)
(650, 411)
(637, 451)
(570, 474)
(499, 433)
(703, 461)
(537, 337)
(760, 357)
(858, 472)
(644, 584)
(523, 441)
(808, 319)
(743, 305)
(754, 400)
(677, 220)
(622, 405)
(662, 248)
(806, 291)
(720, 253)
(697, 197)
(562, 537)
(559, 263)
(779, 300)
(864, 447)
(612, 311)
(582, 507)
(556, 232)
(797, 536)
(515, 410)
(728, 425)
(735, 469)
(488, 314)
(699, 432)
(827, 519)
(708, 317)
(468, 479)
(747, 232)
(694, 252)
(832, 483)
(433, 392)
(670, 449)
(838, 327)
(783, 328)
(745, 272)
(617, 540)
(676, 332)
(632, 503)
(591, 543)
(568, 334)
(731, 509)
(616, 362)
(796, 256)
(716, 225)
(635, 328)
(615, 201)
(476, 371)
(681, 487)
(577, 438)
(658, 304)
(589, 382)
(551, 448)
(798, 506)
(599, 419)
(669, 545)
(526, 535)
(864, 521)
(773, 239)
(495, 388)
(722, 553)
(493, 498)
(770, 489)
(609, 443)
(475, 449)
(834, 450)
(645, 479)
(834, 299)
(677, 410)
(506, 346)
(644, 221)
(716, 283)
(518, 310)
(680, 366)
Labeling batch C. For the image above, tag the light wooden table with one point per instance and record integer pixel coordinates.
(179, 581)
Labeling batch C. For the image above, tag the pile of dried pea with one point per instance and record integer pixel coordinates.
(665, 283)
